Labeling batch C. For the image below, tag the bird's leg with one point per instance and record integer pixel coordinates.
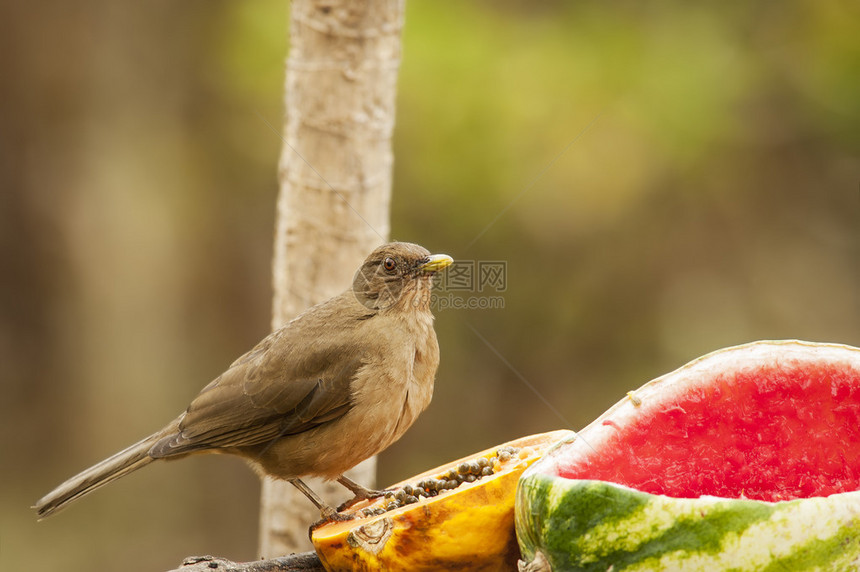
(361, 493)
(328, 512)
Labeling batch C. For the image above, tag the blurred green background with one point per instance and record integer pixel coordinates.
(662, 179)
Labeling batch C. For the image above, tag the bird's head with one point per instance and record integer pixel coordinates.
(398, 275)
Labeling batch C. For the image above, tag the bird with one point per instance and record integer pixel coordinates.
(338, 384)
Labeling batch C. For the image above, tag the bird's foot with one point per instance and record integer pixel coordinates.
(361, 493)
(366, 494)
(329, 514)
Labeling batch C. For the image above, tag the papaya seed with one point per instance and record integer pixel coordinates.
(392, 505)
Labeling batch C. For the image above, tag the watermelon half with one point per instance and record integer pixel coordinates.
(744, 459)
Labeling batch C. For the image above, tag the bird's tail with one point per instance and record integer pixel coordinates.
(98, 475)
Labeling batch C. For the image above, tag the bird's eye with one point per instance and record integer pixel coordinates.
(389, 264)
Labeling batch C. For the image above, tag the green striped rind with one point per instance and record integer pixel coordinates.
(594, 525)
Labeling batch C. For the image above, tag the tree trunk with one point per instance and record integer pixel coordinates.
(335, 189)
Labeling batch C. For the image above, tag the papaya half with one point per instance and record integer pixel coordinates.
(459, 516)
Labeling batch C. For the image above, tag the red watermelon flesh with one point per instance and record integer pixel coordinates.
(772, 431)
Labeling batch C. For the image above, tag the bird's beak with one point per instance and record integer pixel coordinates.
(435, 263)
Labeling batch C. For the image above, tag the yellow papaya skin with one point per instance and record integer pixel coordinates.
(467, 528)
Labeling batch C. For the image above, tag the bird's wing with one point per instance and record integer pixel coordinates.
(264, 395)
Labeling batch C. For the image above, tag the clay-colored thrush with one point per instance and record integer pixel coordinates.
(338, 384)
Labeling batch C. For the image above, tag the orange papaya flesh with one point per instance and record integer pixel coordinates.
(460, 516)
